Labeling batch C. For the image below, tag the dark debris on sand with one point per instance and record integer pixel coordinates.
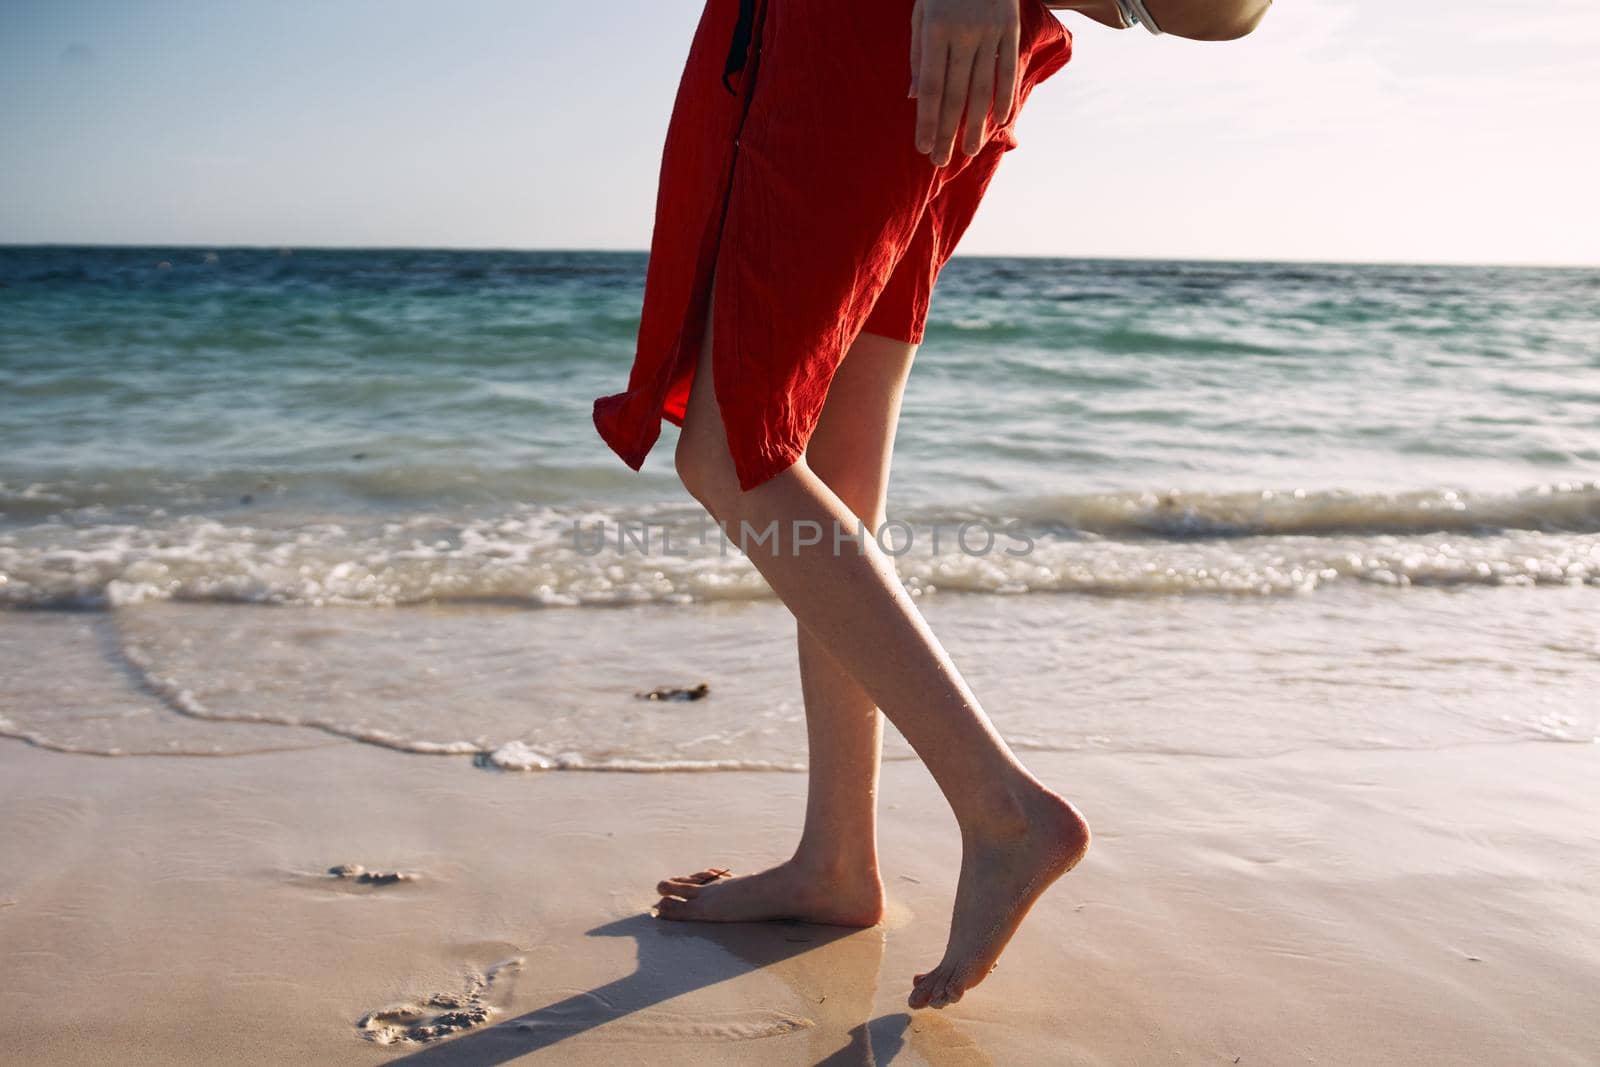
(676, 693)
(354, 872)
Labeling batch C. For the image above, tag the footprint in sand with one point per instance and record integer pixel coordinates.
(438, 1015)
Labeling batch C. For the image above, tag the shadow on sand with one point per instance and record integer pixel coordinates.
(831, 970)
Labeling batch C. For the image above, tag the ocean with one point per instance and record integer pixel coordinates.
(254, 499)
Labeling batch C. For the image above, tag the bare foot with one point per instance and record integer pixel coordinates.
(1002, 874)
(788, 891)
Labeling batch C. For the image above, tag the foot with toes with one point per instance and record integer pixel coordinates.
(836, 896)
(1002, 874)
(1004, 870)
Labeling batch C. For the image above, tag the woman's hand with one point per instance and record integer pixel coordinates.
(963, 59)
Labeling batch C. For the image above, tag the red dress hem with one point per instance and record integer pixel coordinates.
(804, 193)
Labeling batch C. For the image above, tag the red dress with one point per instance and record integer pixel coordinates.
(804, 189)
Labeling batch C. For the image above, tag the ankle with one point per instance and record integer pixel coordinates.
(1001, 810)
(837, 868)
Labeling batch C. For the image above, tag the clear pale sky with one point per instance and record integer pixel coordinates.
(1351, 130)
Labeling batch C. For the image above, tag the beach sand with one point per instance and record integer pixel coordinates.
(1318, 907)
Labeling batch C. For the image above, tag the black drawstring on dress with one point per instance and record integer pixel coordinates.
(740, 47)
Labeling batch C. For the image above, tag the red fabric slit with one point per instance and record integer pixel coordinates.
(805, 191)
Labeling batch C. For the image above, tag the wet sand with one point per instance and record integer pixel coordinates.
(1323, 906)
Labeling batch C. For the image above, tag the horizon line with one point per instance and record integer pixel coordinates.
(1528, 264)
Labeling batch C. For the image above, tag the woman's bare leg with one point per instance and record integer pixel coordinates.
(833, 876)
(1017, 835)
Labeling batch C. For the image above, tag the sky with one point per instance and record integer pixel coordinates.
(1345, 130)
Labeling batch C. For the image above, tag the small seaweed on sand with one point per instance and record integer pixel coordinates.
(354, 872)
(676, 693)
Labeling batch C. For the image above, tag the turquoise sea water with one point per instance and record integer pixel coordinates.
(379, 428)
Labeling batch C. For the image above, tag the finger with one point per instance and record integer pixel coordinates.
(1006, 74)
(980, 94)
(916, 46)
(930, 90)
(958, 76)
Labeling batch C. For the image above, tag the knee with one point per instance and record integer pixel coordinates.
(857, 487)
(866, 505)
(705, 468)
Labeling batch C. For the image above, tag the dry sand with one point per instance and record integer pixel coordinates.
(1322, 907)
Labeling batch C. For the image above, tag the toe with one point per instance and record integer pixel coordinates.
(673, 908)
(955, 985)
(947, 988)
(672, 887)
(922, 992)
